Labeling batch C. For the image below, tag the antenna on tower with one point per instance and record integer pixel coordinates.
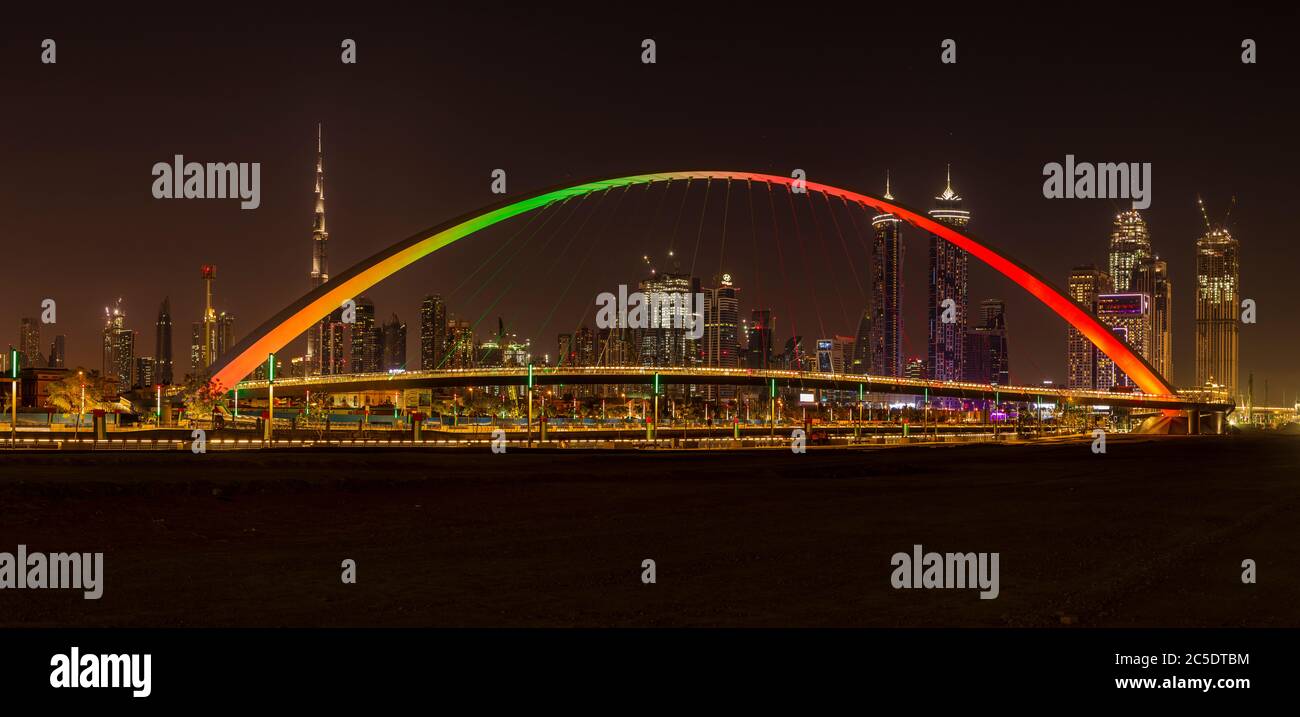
(1231, 204)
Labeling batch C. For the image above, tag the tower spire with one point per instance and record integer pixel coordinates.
(320, 272)
(948, 194)
(888, 196)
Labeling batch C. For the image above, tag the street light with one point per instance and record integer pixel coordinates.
(82, 376)
(13, 396)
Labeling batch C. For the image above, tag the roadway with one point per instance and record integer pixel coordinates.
(785, 381)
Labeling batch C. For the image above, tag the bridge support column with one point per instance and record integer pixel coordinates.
(654, 422)
(267, 427)
(1217, 422)
(1193, 422)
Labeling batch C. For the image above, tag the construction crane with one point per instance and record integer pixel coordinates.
(1205, 215)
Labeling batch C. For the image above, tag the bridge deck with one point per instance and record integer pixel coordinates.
(518, 376)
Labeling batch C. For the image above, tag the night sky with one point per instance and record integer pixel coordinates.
(438, 99)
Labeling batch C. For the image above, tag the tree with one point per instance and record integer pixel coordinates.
(66, 393)
(202, 397)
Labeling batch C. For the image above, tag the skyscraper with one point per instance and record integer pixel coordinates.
(366, 339)
(664, 342)
(316, 336)
(1130, 245)
(565, 354)
(1152, 279)
(162, 367)
(114, 321)
(29, 342)
(1218, 301)
(394, 340)
(885, 347)
(144, 372)
(433, 332)
(947, 280)
(834, 355)
(761, 330)
(124, 358)
(915, 368)
(861, 360)
(335, 343)
(196, 350)
(460, 344)
(722, 330)
(585, 347)
(987, 359)
(223, 338)
(793, 357)
(208, 346)
(1081, 357)
(1129, 317)
(59, 351)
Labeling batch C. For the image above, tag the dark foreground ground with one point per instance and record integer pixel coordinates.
(1152, 533)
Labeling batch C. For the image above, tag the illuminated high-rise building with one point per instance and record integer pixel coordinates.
(884, 349)
(915, 369)
(947, 281)
(665, 342)
(114, 322)
(834, 355)
(722, 330)
(316, 336)
(163, 366)
(585, 347)
(1152, 279)
(1082, 358)
(144, 372)
(1129, 317)
(433, 332)
(29, 342)
(334, 353)
(987, 358)
(1130, 245)
(1218, 303)
(460, 344)
(208, 346)
(366, 338)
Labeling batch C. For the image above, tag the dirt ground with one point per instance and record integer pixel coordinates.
(1151, 533)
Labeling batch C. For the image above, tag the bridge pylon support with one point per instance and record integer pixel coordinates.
(1218, 420)
(1193, 422)
(654, 423)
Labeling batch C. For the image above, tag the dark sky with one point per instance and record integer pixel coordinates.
(440, 98)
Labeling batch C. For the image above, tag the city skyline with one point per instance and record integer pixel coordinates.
(367, 346)
(385, 184)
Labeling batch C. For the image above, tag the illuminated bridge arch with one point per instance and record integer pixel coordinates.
(300, 316)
